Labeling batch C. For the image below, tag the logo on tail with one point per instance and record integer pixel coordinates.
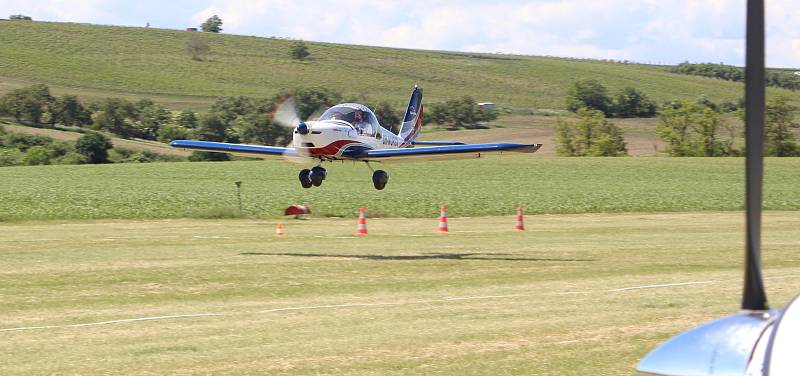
(412, 121)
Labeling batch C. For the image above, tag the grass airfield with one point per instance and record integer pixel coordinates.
(574, 294)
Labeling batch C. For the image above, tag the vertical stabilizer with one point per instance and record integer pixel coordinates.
(412, 121)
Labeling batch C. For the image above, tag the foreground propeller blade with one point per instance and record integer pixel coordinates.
(734, 345)
(286, 113)
(754, 297)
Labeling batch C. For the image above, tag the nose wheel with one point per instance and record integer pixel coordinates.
(379, 179)
(312, 177)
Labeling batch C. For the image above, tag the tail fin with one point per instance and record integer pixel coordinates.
(412, 121)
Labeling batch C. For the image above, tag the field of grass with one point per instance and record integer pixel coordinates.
(98, 61)
(489, 186)
(557, 299)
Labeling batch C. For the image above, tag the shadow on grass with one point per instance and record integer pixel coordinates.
(427, 256)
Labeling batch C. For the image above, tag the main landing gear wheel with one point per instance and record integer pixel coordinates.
(379, 179)
(305, 179)
(317, 175)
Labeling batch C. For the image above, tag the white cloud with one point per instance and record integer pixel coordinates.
(59, 10)
(654, 31)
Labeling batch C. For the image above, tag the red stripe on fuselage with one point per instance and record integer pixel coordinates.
(331, 149)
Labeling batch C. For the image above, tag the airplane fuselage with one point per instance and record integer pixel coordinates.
(336, 139)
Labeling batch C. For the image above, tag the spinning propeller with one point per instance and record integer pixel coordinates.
(286, 115)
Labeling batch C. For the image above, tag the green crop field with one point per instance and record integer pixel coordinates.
(491, 186)
(585, 294)
(99, 61)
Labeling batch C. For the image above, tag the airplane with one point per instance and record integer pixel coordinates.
(351, 132)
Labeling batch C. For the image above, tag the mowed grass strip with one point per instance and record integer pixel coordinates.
(483, 299)
(488, 186)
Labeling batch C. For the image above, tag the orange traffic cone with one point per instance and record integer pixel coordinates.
(520, 225)
(443, 220)
(279, 230)
(362, 222)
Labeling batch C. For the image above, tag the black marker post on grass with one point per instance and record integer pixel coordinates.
(239, 195)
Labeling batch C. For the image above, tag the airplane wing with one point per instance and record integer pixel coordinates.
(239, 149)
(466, 151)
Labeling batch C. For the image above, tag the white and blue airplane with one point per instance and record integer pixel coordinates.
(350, 131)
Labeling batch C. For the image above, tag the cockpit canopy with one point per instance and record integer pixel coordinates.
(356, 114)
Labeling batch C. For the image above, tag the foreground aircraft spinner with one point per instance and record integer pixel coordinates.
(350, 131)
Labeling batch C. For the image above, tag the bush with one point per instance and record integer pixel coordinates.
(23, 142)
(196, 47)
(94, 146)
(37, 155)
(10, 157)
(205, 156)
(299, 51)
(70, 158)
(589, 94)
(591, 134)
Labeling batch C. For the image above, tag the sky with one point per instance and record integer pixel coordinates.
(646, 31)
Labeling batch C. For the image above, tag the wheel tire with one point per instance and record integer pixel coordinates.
(379, 179)
(305, 180)
(317, 175)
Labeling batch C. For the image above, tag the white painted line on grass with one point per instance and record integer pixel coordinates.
(111, 322)
(659, 286)
(334, 306)
(273, 310)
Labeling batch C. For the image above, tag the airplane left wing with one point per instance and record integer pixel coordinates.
(467, 151)
(239, 149)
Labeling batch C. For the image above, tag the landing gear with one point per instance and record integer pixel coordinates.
(379, 179)
(305, 179)
(317, 175)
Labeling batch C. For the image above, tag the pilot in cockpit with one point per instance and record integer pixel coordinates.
(361, 125)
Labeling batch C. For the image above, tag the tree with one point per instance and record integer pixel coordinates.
(94, 146)
(212, 25)
(299, 51)
(462, 112)
(388, 116)
(28, 103)
(211, 128)
(693, 130)
(309, 100)
(115, 115)
(187, 119)
(67, 110)
(169, 132)
(780, 140)
(197, 47)
(591, 134)
(591, 94)
(149, 117)
(633, 103)
(20, 17)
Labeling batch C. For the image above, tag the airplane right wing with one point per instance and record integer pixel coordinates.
(465, 151)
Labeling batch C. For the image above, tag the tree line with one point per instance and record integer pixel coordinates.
(775, 78)
(690, 129)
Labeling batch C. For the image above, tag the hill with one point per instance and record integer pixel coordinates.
(99, 61)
